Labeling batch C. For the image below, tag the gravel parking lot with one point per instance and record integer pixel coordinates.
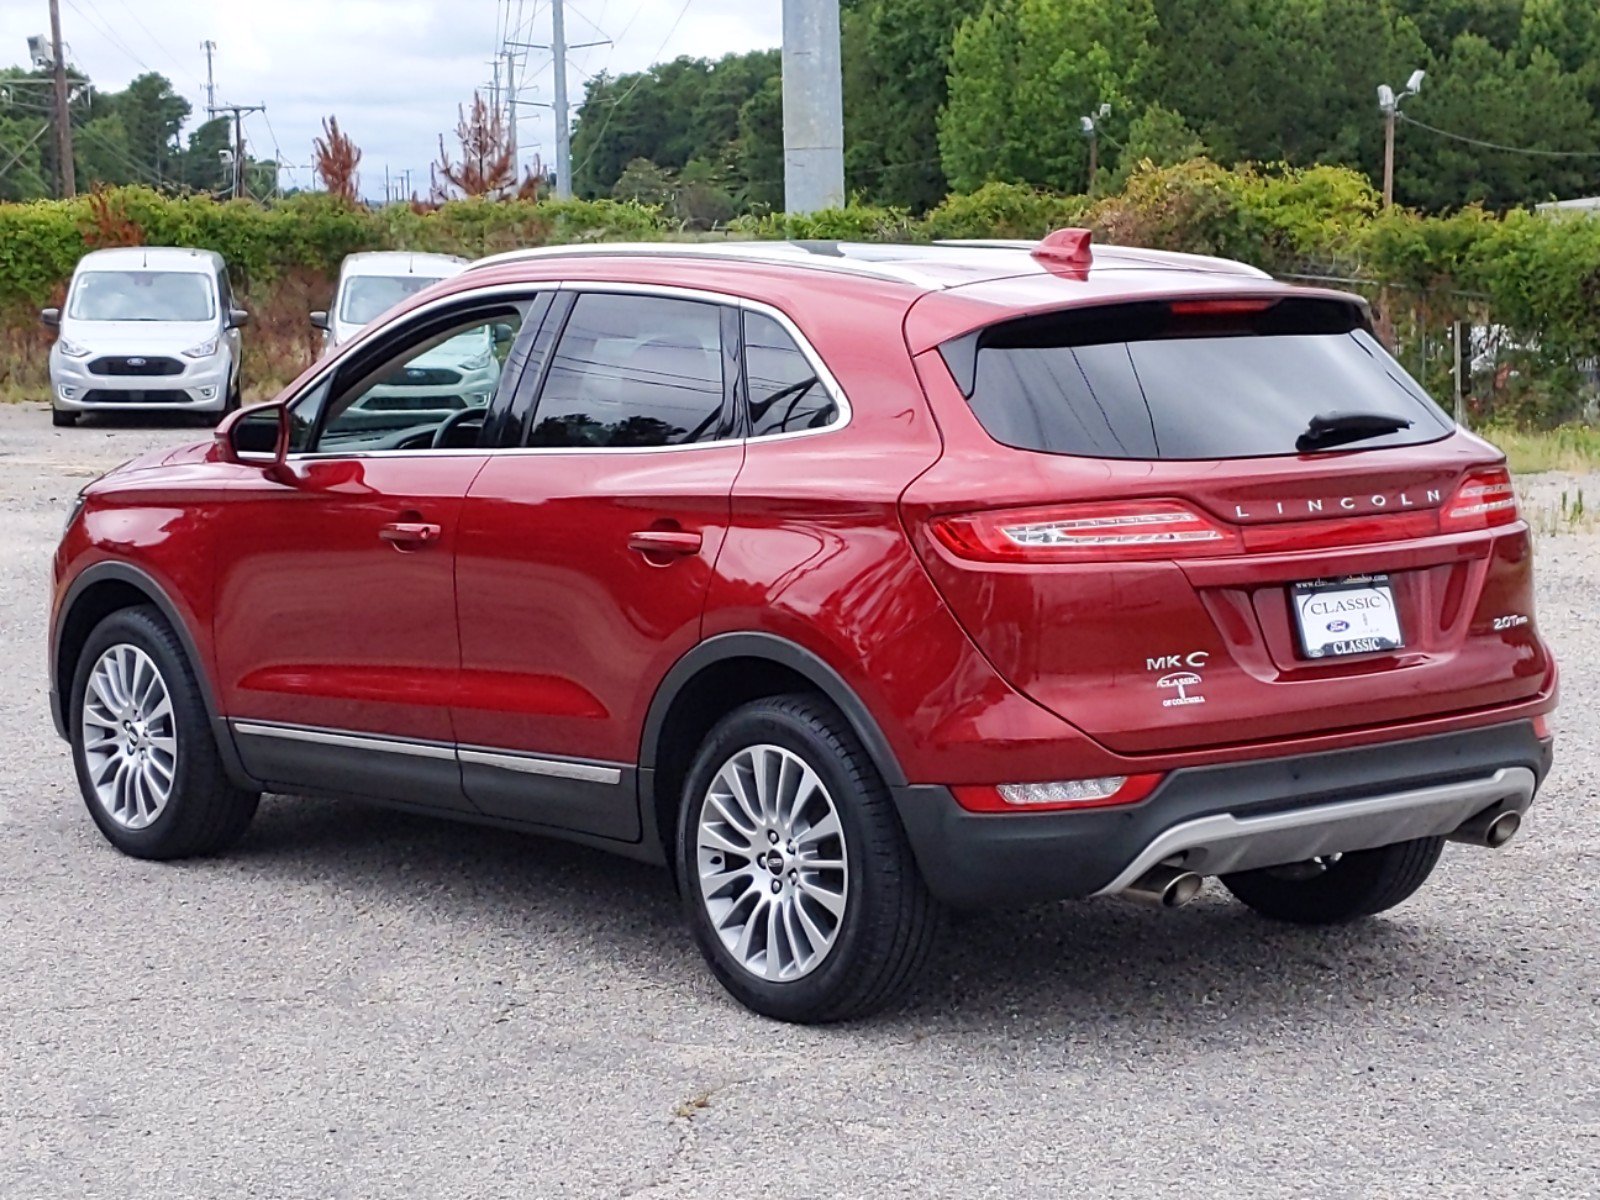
(358, 1003)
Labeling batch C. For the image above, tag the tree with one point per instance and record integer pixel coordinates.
(1497, 96)
(642, 182)
(896, 74)
(1022, 72)
(759, 150)
(336, 157)
(152, 115)
(488, 166)
(1157, 136)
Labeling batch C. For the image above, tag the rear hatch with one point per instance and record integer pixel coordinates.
(1185, 523)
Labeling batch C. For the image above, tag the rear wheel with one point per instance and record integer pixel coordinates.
(800, 887)
(62, 420)
(1341, 887)
(142, 744)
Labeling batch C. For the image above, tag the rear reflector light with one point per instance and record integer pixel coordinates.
(1151, 529)
(1065, 793)
(1484, 499)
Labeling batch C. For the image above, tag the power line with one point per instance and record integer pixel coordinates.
(1457, 137)
(634, 86)
(158, 43)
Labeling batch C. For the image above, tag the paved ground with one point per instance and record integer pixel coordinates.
(360, 1004)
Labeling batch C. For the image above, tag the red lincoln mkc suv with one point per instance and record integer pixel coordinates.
(850, 581)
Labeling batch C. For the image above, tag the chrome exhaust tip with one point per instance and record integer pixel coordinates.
(1165, 887)
(1491, 828)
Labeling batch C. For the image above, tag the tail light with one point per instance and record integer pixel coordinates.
(1484, 499)
(1146, 529)
(1062, 794)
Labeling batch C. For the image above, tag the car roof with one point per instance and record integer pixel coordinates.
(150, 258)
(401, 262)
(948, 288)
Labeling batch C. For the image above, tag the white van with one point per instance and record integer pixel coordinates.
(145, 328)
(373, 282)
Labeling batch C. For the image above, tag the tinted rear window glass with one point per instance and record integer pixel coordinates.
(785, 394)
(1144, 381)
(633, 371)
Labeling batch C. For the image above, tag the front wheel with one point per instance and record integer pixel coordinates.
(63, 420)
(1340, 887)
(142, 744)
(800, 887)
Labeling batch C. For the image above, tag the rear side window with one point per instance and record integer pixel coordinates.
(786, 396)
(633, 371)
(1186, 380)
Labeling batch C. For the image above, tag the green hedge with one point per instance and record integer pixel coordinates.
(1534, 278)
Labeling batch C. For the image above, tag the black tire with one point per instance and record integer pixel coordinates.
(205, 812)
(1354, 885)
(235, 397)
(890, 920)
(62, 420)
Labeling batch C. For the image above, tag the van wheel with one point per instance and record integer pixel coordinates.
(62, 420)
(1341, 887)
(799, 883)
(142, 744)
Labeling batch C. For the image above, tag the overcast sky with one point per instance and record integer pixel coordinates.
(392, 71)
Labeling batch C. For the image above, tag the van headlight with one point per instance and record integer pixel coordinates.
(72, 349)
(478, 362)
(204, 350)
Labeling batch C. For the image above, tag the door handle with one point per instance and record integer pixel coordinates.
(409, 535)
(665, 542)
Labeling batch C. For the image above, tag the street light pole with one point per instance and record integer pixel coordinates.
(1389, 106)
(1090, 125)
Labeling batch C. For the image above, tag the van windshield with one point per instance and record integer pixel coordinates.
(1187, 379)
(367, 296)
(143, 296)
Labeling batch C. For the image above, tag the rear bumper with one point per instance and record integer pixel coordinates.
(1224, 818)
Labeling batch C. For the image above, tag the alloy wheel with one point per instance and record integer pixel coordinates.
(130, 736)
(771, 856)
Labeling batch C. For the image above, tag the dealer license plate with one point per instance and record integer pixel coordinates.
(1356, 615)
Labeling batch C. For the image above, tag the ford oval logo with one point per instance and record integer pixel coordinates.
(136, 362)
(1338, 626)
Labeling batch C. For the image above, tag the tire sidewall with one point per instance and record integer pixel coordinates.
(798, 999)
(139, 627)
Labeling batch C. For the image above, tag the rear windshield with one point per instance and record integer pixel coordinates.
(1187, 380)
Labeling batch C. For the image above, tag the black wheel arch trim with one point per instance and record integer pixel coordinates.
(142, 581)
(782, 652)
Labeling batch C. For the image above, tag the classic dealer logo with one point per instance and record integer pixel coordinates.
(1181, 681)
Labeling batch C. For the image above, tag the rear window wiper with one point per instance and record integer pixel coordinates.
(1327, 430)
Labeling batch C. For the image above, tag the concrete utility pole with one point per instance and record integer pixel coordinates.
(558, 52)
(813, 107)
(211, 85)
(66, 168)
(511, 111)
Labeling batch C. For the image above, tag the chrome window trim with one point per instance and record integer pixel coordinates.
(829, 382)
(506, 760)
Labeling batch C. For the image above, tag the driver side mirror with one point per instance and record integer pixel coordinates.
(319, 319)
(238, 318)
(257, 436)
(503, 333)
(50, 318)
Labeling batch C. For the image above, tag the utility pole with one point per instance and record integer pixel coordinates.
(238, 111)
(813, 106)
(68, 173)
(511, 110)
(558, 51)
(1389, 106)
(211, 85)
